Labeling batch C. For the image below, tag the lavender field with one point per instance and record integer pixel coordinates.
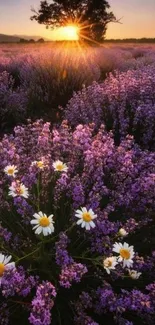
(77, 184)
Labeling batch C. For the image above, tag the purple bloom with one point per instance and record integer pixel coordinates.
(72, 273)
(15, 281)
(42, 304)
(62, 256)
(124, 103)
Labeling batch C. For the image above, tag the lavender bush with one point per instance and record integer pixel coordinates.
(125, 103)
(13, 103)
(77, 196)
(47, 76)
(75, 209)
(50, 79)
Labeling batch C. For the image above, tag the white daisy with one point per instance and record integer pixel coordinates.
(126, 253)
(43, 224)
(122, 232)
(18, 189)
(109, 263)
(5, 265)
(86, 218)
(40, 164)
(134, 274)
(11, 170)
(59, 166)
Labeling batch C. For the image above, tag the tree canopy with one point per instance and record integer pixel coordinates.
(91, 16)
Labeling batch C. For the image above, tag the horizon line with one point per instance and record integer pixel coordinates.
(53, 40)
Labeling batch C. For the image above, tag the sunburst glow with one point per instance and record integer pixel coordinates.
(69, 33)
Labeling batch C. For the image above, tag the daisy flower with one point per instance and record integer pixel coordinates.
(59, 166)
(134, 274)
(86, 218)
(40, 164)
(122, 232)
(18, 189)
(109, 263)
(43, 224)
(5, 265)
(126, 253)
(11, 170)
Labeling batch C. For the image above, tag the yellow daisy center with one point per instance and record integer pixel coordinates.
(60, 167)
(44, 222)
(2, 269)
(109, 263)
(87, 217)
(19, 191)
(125, 253)
(10, 171)
(40, 164)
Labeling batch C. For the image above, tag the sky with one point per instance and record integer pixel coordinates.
(137, 19)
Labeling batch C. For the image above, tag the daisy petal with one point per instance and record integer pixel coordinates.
(38, 230)
(7, 259)
(34, 222)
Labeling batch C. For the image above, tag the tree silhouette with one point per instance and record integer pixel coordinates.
(40, 40)
(31, 40)
(92, 16)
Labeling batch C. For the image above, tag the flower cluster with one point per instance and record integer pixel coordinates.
(124, 103)
(76, 196)
(73, 272)
(77, 200)
(42, 304)
(16, 282)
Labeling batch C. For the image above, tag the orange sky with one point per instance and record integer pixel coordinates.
(138, 19)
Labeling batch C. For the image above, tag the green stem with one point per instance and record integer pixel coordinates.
(24, 257)
(40, 244)
(88, 259)
(70, 228)
(33, 203)
(83, 258)
(38, 193)
(20, 302)
(7, 251)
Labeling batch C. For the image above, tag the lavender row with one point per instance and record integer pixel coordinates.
(77, 227)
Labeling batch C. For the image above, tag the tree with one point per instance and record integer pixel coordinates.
(23, 40)
(31, 40)
(91, 16)
(40, 40)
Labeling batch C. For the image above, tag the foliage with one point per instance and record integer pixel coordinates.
(92, 16)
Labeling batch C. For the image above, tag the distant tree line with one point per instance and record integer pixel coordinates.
(124, 40)
(131, 40)
(23, 40)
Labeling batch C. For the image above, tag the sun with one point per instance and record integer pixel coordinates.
(69, 33)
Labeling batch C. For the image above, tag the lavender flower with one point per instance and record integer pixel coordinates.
(72, 272)
(62, 256)
(15, 281)
(42, 304)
